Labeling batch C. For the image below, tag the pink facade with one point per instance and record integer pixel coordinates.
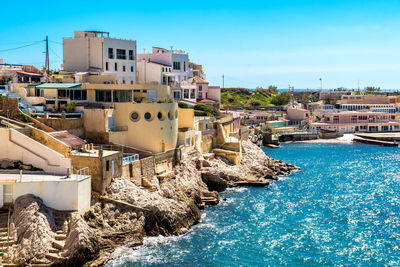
(214, 93)
(356, 118)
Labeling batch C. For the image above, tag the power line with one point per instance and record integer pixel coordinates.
(17, 43)
(19, 47)
(54, 53)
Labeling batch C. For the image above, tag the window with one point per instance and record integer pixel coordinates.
(136, 91)
(144, 91)
(116, 66)
(161, 115)
(123, 68)
(122, 96)
(107, 66)
(177, 65)
(103, 95)
(192, 94)
(200, 88)
(184, 65)
(121, 54)
(135, 116)
(186, 93)
(177, 95)
(110, 53)
(107, 165)
(131, 68)
(171, 115)
(148, 116)
(131, 57)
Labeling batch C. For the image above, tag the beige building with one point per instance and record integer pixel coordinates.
(93, 51)
(155, 73)
(151, 127)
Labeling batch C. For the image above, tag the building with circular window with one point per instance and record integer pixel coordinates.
(145, 126)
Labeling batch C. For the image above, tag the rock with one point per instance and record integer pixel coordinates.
(206, 163)
(33, 227)
(213, 181)
(25, 167)
(82, 243)
(6, 164)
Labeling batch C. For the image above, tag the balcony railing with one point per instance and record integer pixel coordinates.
(130, 157)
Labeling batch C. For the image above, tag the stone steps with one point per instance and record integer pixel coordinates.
(54, 257)
(60, 237)
(58, 244)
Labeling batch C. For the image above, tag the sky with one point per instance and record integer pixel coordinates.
(345, 43)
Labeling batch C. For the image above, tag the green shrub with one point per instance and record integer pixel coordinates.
(183, 105)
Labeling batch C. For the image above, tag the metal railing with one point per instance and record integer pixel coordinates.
(83, 172)
(130, 157)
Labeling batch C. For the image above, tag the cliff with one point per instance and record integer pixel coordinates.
(128, 213)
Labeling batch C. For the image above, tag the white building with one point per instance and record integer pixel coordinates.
(55, 185)
(92, 51)
(152, 72)
(177, 59)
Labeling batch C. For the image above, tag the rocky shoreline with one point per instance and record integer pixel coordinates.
(128, 213)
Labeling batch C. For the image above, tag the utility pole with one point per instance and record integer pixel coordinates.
(47, 63)
(223, 81)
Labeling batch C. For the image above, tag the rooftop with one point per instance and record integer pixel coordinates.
(67, 138)
(58, 85)
(197, 80)
(26, 178)
(94, 153)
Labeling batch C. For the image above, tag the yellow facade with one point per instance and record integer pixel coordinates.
(163, 92)
(185, 118)
(147, 126)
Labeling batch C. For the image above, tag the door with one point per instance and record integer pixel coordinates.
(152, 95)
(7, 194)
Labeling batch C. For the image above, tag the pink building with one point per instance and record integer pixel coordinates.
(205, 94)
(356, 117)
(350, 122)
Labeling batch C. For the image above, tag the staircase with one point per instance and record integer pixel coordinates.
(5, 240)
(61, 220)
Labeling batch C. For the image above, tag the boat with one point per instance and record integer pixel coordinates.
(375, 142)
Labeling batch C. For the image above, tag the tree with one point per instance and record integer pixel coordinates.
(372, 89)
(271, 90)
(281, 99)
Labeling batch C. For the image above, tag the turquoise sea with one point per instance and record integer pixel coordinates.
(341, 208)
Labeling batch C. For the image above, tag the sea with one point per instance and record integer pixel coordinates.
(341, 209)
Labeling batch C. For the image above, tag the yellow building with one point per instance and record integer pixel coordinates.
(99, 93)
(146, 126)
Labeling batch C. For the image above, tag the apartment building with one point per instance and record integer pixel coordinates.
(93, 51)
(351, 121)
(178, 60)
(374, 103)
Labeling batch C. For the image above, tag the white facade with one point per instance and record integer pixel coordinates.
(57, 192)
(177, 59)
(17, 146)
(89, 52)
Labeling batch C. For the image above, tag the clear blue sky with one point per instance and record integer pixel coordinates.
(254, 43)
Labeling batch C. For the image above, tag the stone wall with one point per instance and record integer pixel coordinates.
(49, 141)
(95, 169)
(72, 125)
